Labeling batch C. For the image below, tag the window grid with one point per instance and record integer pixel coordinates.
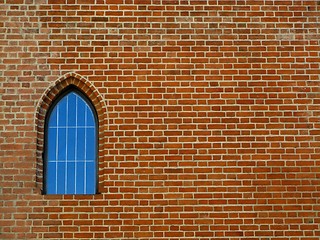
(85, 150)
(75, 150)
(66, 166)
(57, 148)
(71, 147)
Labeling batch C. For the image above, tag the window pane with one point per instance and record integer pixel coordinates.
(72, 144)
(89, 117)
(80, 177)
(54, 117)
(90, 173)
(81, 112)
(71, 178)
(62, 110)
(81, 142)
(91, 143)
(51, 177)
(72, 110)
(52, 136)
(62, 144)
(61, 177)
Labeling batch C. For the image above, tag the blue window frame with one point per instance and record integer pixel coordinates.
(71, 146)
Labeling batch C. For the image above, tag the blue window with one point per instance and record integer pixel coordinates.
(71, 146)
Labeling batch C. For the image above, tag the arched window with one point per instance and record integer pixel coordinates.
(70, 159)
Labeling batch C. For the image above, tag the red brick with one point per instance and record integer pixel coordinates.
(208, 117)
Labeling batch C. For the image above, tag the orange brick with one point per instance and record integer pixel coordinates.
(207, 112)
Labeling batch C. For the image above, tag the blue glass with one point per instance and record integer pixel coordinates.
(51, 174)
(90, 118)
(61, 175)
(71, 147)
(72, 110)
(80, 179)
(81, 112)
(71, 178)
(90, 173)
(62, 144)
(52, 132)
(81, 153)
(62, 112)
(90, 148)
(72, 144)
(54, 117)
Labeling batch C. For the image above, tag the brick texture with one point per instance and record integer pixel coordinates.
(208, 111)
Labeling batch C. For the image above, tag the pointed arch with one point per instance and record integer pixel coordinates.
(68, 81)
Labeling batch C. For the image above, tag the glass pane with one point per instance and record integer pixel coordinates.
(80, 177)
(51, 177)
(53, 118)
(81, 144)
(62, 144)
(71, 178)
(91, 143)
(61, 177)
(72, 110)
(90, 117)
(81, 111)
(90, 178)
(52, 138)
(72, 146)
(62, 110)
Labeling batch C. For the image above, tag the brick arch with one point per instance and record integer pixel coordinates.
(49, 96)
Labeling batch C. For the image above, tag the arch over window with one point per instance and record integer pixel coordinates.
(71, 145)
(50, 97)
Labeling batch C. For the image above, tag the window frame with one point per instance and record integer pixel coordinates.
(55, 101)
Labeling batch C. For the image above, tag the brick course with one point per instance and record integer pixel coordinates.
(208, 117)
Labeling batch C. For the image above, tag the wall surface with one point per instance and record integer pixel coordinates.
(208, 111)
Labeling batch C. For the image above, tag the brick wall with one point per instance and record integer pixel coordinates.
(208, 110)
